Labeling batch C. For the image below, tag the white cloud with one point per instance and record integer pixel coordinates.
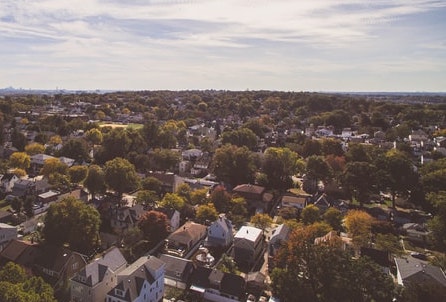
(260, 39)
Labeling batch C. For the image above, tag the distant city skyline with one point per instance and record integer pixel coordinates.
(300, 45)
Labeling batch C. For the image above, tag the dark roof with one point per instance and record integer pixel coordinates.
(233, 285)
(188, 231)
(15, 249)
(248, 188)
(94, 272)
(167, 211)
(176, 266)
(212, 278)
(53, 258)
(380, 257)
(419, 271)
(7, 176)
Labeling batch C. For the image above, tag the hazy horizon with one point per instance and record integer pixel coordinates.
(339, 46)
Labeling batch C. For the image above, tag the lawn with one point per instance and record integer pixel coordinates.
(131, 125)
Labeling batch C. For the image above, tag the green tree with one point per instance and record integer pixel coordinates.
(261, 221)
(398, 173)
(164, 159)
(310, 214)
(17, 286)
(206, 213)
(77, 173)
(324, 272)
(154, 226)
(184, 191)
(334, 218)
(76, 149)
(433, 175)
(146, 197)
(172, 200)
(332, 147)
(152, 184)
(228, 265)
(94, 136)
(199, 196)
(359, 225)
(221, 199)
(34, 148)
(389, 243)
(279, 164)
(52, 166)
(234, 165)
(20, 160)
(240, 137)
(73, 222)
(318, 169)
(95, 180)
(116, 143)
(437, 225)
(18, 140)
(120, 176)
(359, 180)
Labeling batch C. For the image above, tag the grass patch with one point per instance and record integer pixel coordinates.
(126, 126)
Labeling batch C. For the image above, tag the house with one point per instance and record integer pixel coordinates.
(96, 279)
(169, 181)
(48, 197)
(7, 182)
(126, 217)
(382, 258)
(321, 201)
(20, 252)
(23, 187)
(416, 271)
(7, 233)
(185, 239)
(248, 245)
(78, 194)
(173, 217)
(216, 286)
(296, 201)
(257, 199)
(416, 232)
(333, 239)
(255, 283)
(279, 237)
(6, 216)
(57, 264)
(192, 154)
(142, 280)
(66, 160)
(220, 232)
(178, 271)
(37, 162)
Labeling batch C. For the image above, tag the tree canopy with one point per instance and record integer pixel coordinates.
(73, 222)
(120, 176)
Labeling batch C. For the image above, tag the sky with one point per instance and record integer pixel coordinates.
(290, 45)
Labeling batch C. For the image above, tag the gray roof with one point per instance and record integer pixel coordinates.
(419, 271)
(176, 267)
(133, 277)
(94, 272)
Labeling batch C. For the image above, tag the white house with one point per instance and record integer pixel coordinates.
(7, 182)
(220, 232)
(96, 279)
(7, 233)
(248, 245)
(141, 281)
